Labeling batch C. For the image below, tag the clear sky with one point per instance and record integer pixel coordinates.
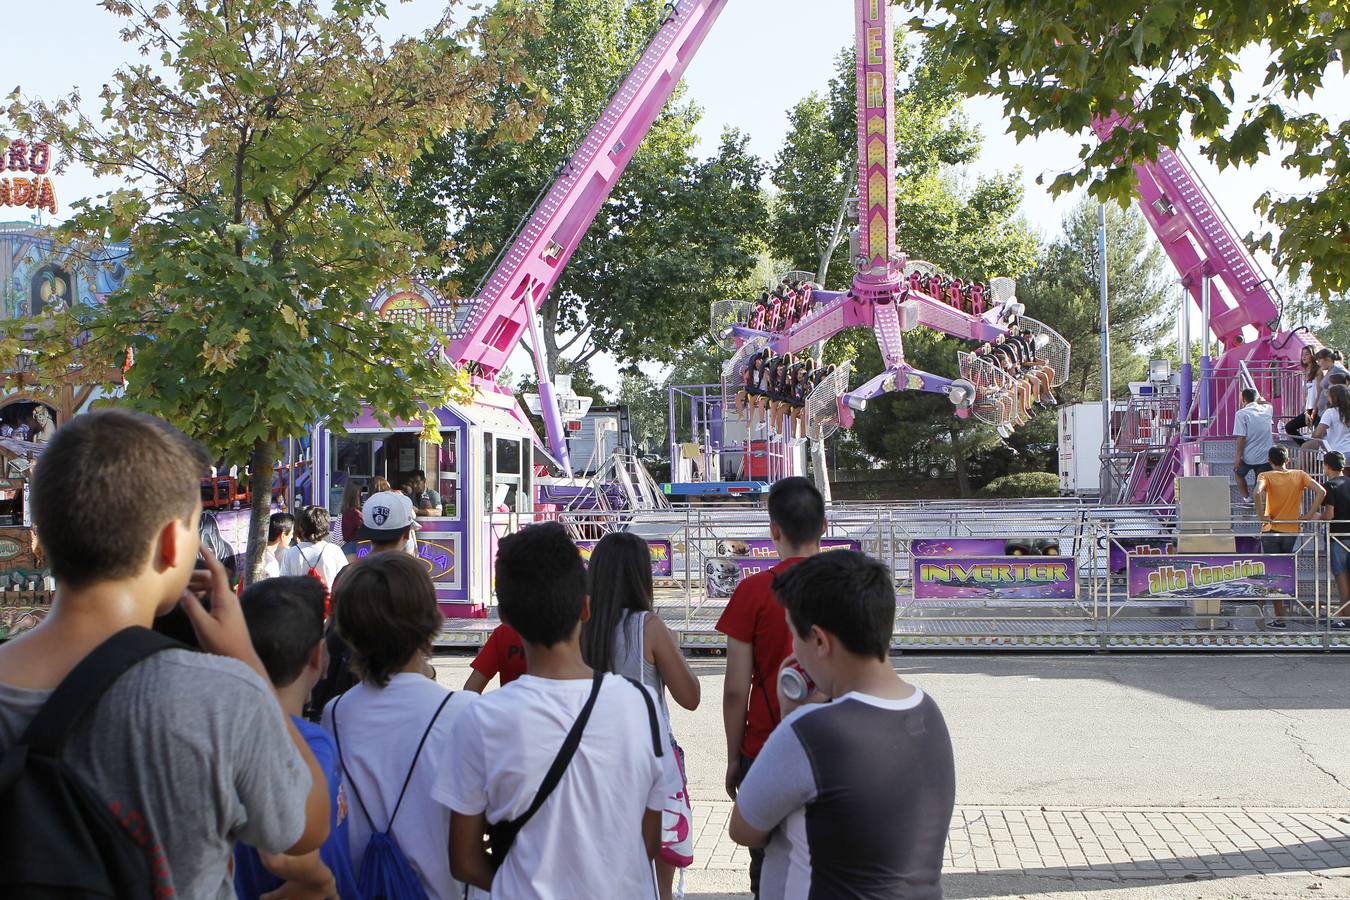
(761, 58)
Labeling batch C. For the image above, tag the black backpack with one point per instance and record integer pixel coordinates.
(60, 840)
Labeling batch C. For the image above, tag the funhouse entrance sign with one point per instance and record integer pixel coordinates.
(1222, 576)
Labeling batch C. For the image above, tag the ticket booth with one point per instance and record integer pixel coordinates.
(482, 468)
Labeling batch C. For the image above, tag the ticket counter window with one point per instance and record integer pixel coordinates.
(443, 471)
(510, 491)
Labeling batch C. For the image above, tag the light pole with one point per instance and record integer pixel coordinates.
(1106, 328)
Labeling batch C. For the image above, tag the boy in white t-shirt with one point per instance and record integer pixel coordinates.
(384, 608)
(598, 831)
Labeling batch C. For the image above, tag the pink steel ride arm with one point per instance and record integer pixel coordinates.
(540, 251)
(1201, 243)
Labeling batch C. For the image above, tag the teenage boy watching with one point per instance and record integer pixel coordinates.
(502, 655)
(1279, 506)
(285, 618)
(1336, 509)
(599, 830)
(387, 521)
(192, 748)
(280, 527)
(758, 639)
(852, 797)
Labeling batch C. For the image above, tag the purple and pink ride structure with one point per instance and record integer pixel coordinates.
(491, 469)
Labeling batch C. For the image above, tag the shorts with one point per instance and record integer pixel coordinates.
(1340, 554)
(1273, 542)
(1245, 469)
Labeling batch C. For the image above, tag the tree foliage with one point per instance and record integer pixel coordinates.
(1063, 292)
(675, 234)
(1056, 65)
(253, 157)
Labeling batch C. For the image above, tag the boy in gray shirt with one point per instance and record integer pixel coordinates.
(190, 750)
(852, 793)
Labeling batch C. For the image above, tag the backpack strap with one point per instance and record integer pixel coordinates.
(651, 715)
(420, 745)
(80, 691)
(337, 740)
(565, 754)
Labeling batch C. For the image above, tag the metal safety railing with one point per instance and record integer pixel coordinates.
(1022, 574)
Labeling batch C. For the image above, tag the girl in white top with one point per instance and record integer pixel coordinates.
(623, 635)
(1333, 429)
(385, 611)
(314, 551)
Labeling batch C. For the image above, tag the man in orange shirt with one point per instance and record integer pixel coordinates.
(1279, 504)
(758, 639)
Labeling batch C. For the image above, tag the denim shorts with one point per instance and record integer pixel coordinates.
(1276, 542)
(1340, 554)
(1244, 469)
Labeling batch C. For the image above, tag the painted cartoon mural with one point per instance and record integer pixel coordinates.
(37, 276)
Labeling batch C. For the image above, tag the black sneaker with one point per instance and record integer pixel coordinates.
(1275, 623)
(1340, 623)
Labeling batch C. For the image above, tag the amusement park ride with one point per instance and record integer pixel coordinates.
(492, 473)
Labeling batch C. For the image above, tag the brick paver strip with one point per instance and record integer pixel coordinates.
(1106, 844)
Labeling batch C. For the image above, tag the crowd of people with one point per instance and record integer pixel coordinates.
(774, 390)
(781, 308)
(227, 763)
(971, 298)
(1027, 380)
(1287, 498)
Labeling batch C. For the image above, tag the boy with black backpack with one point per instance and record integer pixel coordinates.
(391, 730)
(130, 763)
(285, 618)
(560, 768)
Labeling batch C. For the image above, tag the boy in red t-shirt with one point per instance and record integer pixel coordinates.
(504, 654)
(758, 639)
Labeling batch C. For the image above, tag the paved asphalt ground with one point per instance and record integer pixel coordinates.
(1176, 777)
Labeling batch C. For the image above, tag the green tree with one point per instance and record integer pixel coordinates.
(1062, 291)
(1058, 64)
(1329, 320)
(648, 410)
(254, 156)
(675, 234)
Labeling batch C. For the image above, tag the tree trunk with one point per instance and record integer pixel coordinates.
(823, 270)
(263, 462)
(959, 460)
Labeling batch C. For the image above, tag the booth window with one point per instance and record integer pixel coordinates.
(443, 471)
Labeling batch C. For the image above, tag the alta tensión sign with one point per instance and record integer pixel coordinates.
(24, 180)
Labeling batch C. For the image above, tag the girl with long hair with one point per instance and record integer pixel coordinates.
(624, 635)
(350, 522)
(1307, 363)
(1333, 429)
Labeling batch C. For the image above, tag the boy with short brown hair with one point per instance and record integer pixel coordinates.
(191, 750)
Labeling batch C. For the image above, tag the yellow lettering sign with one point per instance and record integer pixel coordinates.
(874, 46)
(876, 90)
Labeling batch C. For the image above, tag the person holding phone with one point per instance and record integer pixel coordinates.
(179, 722)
